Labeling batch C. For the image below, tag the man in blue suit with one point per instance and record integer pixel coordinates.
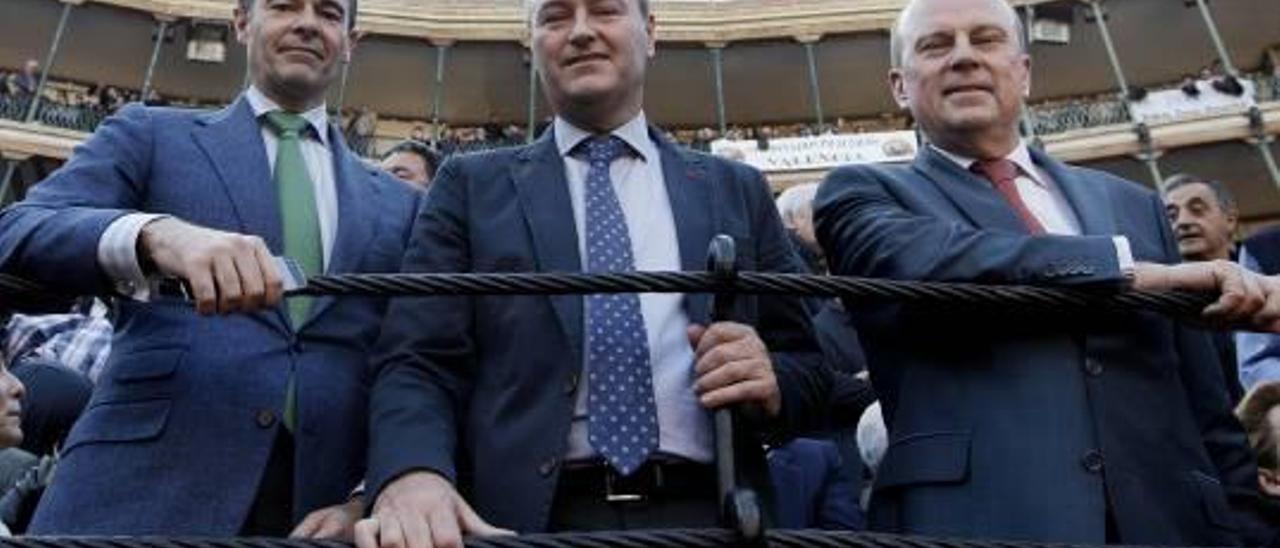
(1105, 429)
(240, 423)
(581, 412)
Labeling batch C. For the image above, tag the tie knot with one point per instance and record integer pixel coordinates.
(999, 171)
(286, 124)
(604, 148)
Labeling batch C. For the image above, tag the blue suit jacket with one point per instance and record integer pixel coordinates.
(1009, 426)
(178, 431)
(813, 489)
(481, 389)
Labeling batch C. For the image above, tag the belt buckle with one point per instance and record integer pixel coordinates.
(616, 494)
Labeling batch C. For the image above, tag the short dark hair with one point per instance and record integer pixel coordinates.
(1225, 199)
(352, 8)
(429, 157)
(1252, 412)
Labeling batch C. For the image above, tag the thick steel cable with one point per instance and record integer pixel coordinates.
(1181, 305)
(675, 538)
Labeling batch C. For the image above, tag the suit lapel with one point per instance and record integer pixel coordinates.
(973, 195)
(232, 140)
(543, 190)
(690, 194)
(355, 224)
(1090, 202)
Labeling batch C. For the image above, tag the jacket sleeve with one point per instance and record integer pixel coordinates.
(785, 323)
(52, 236)
(866, 230)
(423, 360)
(1224, 439)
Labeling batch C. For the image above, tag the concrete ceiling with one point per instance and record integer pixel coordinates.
(1158, 41)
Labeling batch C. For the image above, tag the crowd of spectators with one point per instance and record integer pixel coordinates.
(81, 107)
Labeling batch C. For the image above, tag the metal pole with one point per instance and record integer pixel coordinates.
(342, 87)
(48, 64)
(1100, 19)
(533, 104)
(717, 68)
(11, 167)
(1153, 168)
(1270, 160)
(815, 89)
(1029, 117)
(1225, 57)
(162, 26)
(437, 103)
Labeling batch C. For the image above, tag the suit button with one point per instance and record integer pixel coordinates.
(571, 384)
(1092, 462)
(548, 467)
(1093, 367)
(266, 418)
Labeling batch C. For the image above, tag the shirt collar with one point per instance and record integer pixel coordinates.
(1020, 156)
(318, 117)
(635, 133)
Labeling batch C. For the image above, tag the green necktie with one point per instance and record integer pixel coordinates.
(297, 205)
(300, 222)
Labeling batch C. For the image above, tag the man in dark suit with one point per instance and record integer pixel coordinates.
(580, 412)
(193, 426)
(1107, 429)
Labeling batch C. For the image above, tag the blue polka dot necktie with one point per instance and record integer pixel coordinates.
(623, 422)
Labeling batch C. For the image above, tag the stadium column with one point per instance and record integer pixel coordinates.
(1028, 116)
(49, 59)
(1148, 155)
(162, 27)
(342, 87)
(10, 161)
(810, 43)
(716, 49)
(532, 106)
(437, 96)
(1258, 134)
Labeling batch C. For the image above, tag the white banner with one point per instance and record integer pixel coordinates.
(821, 152)
(1173, 104)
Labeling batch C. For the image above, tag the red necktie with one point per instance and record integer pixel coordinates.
(1003, 175)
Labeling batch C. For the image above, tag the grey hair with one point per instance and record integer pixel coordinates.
(247, 7)
(530, 4)
(1225, 200)
(897, 48)
(796, 199)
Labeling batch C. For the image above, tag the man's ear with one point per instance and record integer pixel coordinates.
(651, 30)
(898, 87)
(240, 20)
(353, 39)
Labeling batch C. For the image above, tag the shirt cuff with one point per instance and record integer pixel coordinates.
(118, 255)
(357, 492)
(1124, 256)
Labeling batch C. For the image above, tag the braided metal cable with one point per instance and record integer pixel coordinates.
(673, 538)
(1182, 305)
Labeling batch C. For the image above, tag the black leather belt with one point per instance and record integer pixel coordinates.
(656, 479)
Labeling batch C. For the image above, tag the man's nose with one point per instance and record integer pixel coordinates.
(582, 31)
(963, 55)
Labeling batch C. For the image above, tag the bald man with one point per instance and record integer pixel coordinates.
(1011, 426)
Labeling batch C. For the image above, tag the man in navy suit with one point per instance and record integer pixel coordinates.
(238, 423)
(1105, 429)
(581, 412)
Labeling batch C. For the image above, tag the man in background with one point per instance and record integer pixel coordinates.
(1204, 218)
(413, 162)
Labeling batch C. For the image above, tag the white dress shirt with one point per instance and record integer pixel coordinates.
(117, 248)
(1257, 354)
(684, 426)
(1045, 199)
